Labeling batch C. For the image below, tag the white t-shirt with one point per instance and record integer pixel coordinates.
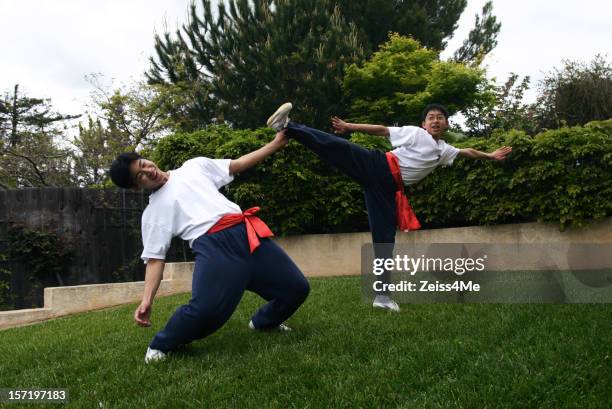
(418, 152)
(187, 205)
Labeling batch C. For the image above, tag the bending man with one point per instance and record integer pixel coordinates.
(232, 250)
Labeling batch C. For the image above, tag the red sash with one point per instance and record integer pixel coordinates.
(404, 215)
(255, 227)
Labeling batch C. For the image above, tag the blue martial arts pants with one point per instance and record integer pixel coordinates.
(224, 269)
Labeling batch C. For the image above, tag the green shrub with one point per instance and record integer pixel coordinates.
(560, 176)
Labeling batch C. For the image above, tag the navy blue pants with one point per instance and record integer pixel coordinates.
(369, 168)
(224, 269)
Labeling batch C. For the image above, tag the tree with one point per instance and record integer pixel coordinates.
(93, 153)
(482, 38)
(121, 119)
(26, 114)
(430, 22)
(30, 152)
(501, 108)
(402, 78)
(253, 55)
(187, 106)
(576, 94)
(132, 114)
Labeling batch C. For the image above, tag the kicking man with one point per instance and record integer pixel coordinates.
(418, 151)
(233, 252)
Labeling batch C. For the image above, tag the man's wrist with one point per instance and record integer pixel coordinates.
(275, 145)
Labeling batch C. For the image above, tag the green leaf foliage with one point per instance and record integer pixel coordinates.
(402, 78)
(560, 176)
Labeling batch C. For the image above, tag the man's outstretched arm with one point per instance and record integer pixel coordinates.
(499, 154)
(253, 158)
(153, 276)
(341, 127)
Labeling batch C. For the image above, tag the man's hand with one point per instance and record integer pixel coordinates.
(142, 315)
(501, 153)
(281, 139)
(339, 125)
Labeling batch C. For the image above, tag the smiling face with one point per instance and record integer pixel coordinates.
(146, 175)
(435, 123)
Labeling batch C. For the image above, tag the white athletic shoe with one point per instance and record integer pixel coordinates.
(281, 327)
(154, 355)
(279, 119)
(386, 303)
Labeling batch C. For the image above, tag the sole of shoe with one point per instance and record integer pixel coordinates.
(386, 307)
(281, 111)
(281, 327)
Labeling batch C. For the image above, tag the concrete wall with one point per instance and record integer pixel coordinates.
(340, 254)
(317, 255)
(61, 301)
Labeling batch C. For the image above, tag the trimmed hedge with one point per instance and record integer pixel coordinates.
(561, 176)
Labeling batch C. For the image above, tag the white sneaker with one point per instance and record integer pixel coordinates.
(386, 303)
(154, 355)
(279, 119)
(281, 327)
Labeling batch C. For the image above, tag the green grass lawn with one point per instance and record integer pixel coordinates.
(341, 353)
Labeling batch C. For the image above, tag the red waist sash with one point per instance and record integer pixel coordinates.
(255, 227)
(404, 215)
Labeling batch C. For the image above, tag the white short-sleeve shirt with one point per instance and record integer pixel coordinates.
(187, 205)
(418, 153)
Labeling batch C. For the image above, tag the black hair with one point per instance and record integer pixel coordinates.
(434, 107)
(120, 169)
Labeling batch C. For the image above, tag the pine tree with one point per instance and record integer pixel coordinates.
(482, 38)
(22, 114)
(254, 55)
(430, 22)
(29, 152)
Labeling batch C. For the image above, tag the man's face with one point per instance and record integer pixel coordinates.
(435, 123)
(146, 175)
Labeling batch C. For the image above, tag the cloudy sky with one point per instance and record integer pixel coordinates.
(48, 47)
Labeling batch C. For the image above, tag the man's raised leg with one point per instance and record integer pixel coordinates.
(351, 159)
